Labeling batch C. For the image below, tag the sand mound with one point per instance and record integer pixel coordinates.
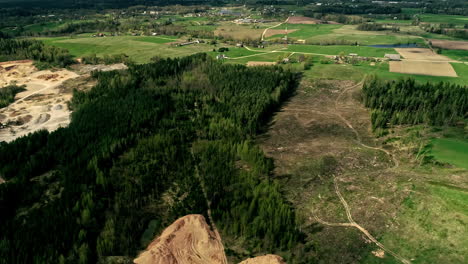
(42, 118)
(267, 259)
(189, 240)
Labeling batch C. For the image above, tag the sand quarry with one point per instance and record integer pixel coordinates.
(422, 62)
(44, 104)
(190, 240)
(41, 106)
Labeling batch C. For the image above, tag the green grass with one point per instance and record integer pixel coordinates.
(444, 19)
(140, 49)
(461, 55)
(357, 73)
(307, 31)
(323, 34)
(431, 226)
(451, 151)
(234, 52)
(155, 39)
(337, 49)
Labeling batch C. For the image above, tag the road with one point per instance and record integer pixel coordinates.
(265, 31)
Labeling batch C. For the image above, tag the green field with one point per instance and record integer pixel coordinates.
(444, 19)
(461, 55)
(140, 49)
(337, 49)
(307, 31)
(335, 34)
(451, 151)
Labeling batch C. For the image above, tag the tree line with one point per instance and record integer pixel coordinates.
(407, 102)
(142, 146)
(44, 55)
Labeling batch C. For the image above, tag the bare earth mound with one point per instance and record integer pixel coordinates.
(421, 54)
(267, 259)
(449, 44)
(260, 63)
(423, 68)
(189, 240)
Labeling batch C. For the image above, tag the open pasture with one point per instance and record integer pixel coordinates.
(140, 49)
(337, 49)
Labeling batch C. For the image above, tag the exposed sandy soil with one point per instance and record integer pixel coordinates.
(44, 103)
(267, 259)
(260, 63)
(423, 68)
(421, 54)
(273, 32)
(41, 106)
(449, 44)
(189, 240)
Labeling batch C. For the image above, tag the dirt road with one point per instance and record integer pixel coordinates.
(275, 26)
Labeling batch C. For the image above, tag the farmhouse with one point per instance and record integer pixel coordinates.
(393, 57)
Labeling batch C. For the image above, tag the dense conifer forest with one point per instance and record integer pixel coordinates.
(45, 56)
(145, 145)
(408, 102)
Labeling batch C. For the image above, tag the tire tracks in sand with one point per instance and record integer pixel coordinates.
(351, 222)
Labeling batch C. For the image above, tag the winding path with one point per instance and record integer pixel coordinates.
(265, 31)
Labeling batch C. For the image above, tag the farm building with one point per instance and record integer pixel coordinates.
(393, 57)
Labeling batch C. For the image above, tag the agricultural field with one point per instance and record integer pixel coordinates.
(138, 48)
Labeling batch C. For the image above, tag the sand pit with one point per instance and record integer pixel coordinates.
(273, 32)
(423, 68)
(260, 63)
(448, 44)
(188, 240)
(421, 54)
(41, 106)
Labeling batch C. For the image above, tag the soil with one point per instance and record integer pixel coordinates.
(421, 54)
(449, 44)
(423, 68)
(260, 63)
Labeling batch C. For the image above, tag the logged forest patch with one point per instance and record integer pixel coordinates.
(321, 142)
